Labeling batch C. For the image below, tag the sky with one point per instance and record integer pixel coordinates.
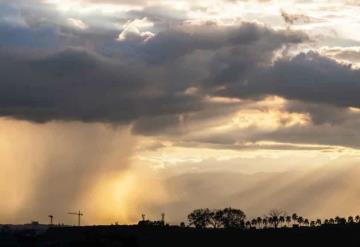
(121, 108)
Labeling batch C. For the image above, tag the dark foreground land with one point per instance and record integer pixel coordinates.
(347, 235)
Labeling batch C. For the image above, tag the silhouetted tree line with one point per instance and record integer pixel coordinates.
(227, 218)
(236, 218)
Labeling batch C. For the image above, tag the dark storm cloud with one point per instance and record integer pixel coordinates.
(140, 80)
(171, 44)
(322, 113)
(77, 85)
(308, 77)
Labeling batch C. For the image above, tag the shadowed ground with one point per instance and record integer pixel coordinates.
(347, 235)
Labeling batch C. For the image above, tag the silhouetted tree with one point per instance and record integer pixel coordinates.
(200, 218)
(295, 218)
(337, 220)
(306, 222)
(288, 220)
(259, 221)
(318, 222)
(313, 223)
(275, 221)
(254, 222)
(342, 221)
(357, 218)
(231, 218)
(265, 222)
(300, 220)
(270, 221)
(281, 220)
(235, 218)
(275, 215)
(216, 218)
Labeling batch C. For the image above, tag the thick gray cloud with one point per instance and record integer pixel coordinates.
(307, 77)
(141, 79)
(78, 85)
(248, 37)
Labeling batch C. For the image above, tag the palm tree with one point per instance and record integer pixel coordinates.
(337, 220)
(331, 221)
(281, 220)
(248, 224)
(340, 221)
(254, 222)
(350, 220)
(265, 222)
(288, 220)
(295, 218)
(275, 214)
(275, 221)
(318, 222)
(343, 221)
(300, 220)
(326, 222)
(259, 221)
(270, 221)
(313, 223)
(357, 218)
(306, 222)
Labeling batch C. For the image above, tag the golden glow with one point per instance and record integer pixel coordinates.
(265, 115)
(122, 197)
(354, 109)
(73, 166)
(223, 100)
(64, 158)
(110, 199)
(272, 119)
(170, 155)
